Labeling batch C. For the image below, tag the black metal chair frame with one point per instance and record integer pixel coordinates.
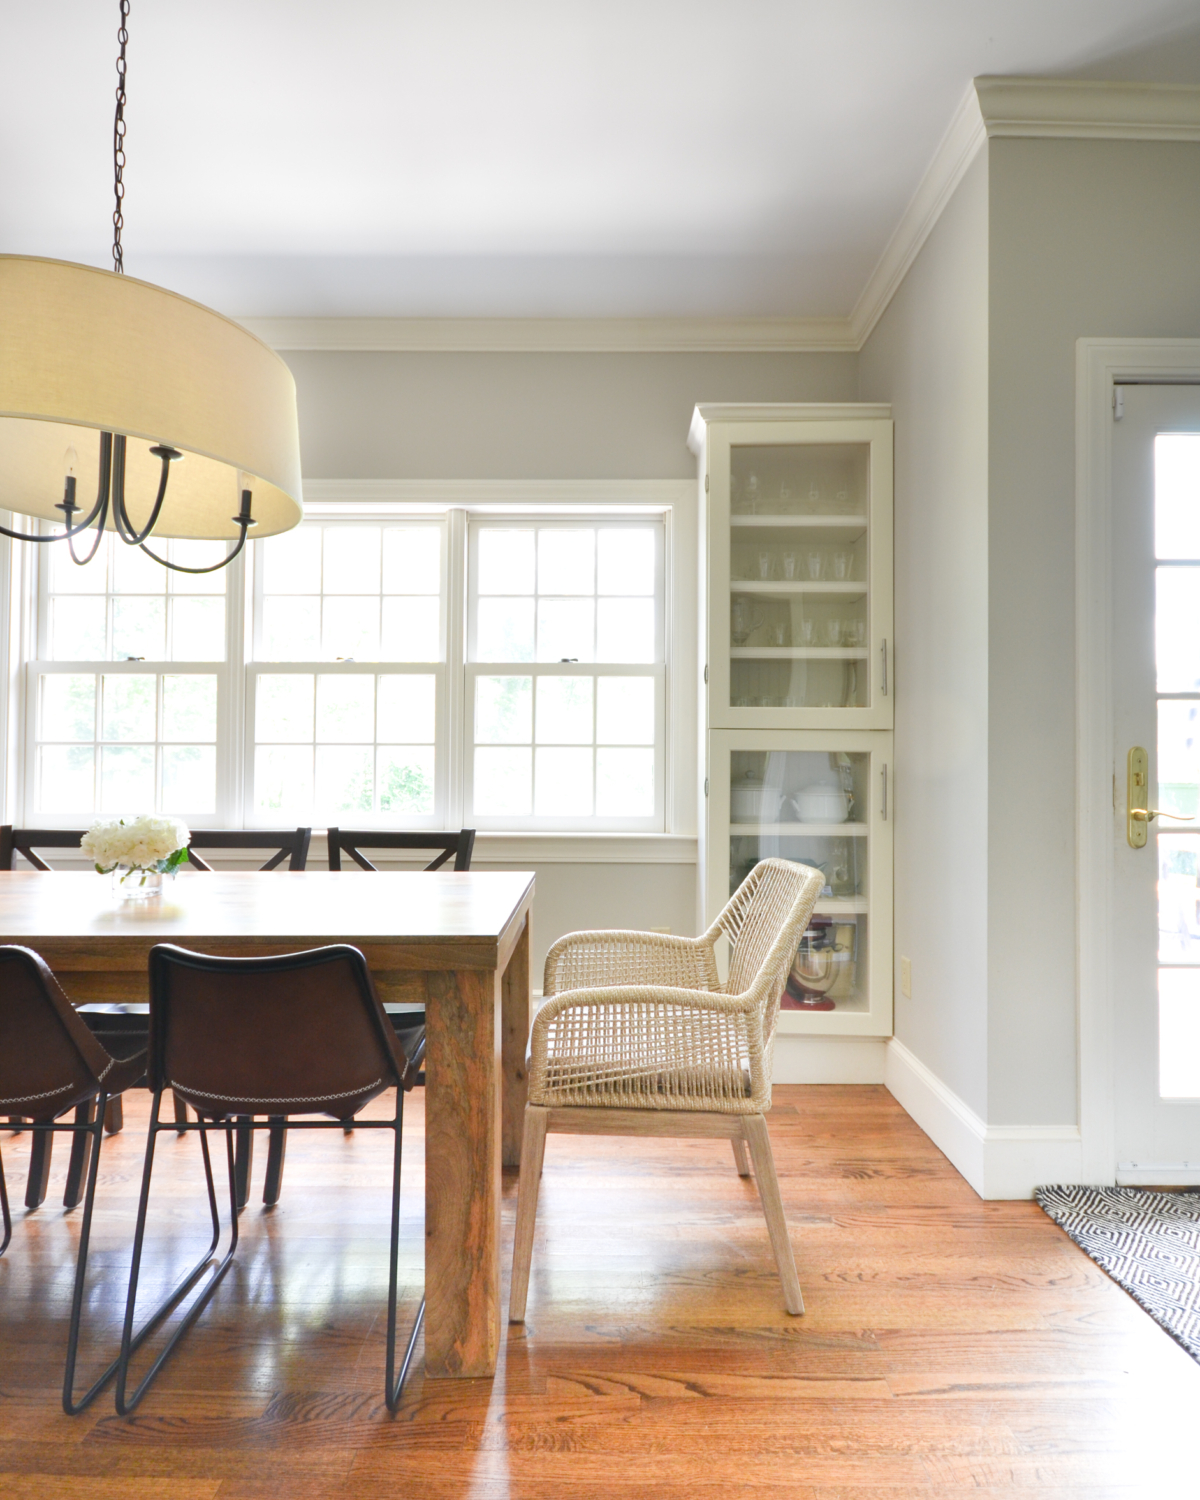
(230, 1126)
(87, 1132)
(350, 841)
(26, 841)
(290, 844)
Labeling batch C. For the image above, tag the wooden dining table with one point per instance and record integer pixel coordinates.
(458, 944)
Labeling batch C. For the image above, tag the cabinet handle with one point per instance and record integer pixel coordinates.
(883, 780)
(883, 655)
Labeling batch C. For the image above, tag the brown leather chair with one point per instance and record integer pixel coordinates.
(51, 1063)
(240, 1038)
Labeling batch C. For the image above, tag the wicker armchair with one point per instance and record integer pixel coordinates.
(637, 1036)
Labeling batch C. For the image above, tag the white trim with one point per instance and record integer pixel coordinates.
(1098, 362)
(506, 494)
(557, 335)
(828, 1059)
(958, 148)
(1083, 109)
(999, 1161)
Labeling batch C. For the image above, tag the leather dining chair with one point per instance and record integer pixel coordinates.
(300, 1034)
(291, 844)
(50, 1063)
(26, 844)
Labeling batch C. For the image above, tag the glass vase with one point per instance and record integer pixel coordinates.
(132, 883)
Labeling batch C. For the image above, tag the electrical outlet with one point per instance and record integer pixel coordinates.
(906, 978)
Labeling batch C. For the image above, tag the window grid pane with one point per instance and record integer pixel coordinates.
(351, 592)
(125, 743)
(337, 745)
(552, 745)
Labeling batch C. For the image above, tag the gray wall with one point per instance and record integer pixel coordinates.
(928, 357)
(532, 416)
(1087, 239)
(547, 416)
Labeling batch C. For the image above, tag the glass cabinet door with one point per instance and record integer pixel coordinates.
(800, 573)
(820, 799)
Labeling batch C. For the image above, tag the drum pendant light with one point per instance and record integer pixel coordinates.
(124, 404)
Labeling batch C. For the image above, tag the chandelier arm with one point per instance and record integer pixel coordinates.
(121, 521)
(179, 568)
(243, 519)
(82, 562)
(68, 505)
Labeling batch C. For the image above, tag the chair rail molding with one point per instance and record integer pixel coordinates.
(1098, 364)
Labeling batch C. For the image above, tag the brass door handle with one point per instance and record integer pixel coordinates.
(1137, 785)
(1148, 814)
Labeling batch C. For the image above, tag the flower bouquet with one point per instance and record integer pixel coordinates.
(137, 853)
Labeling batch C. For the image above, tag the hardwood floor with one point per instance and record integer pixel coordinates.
(950, 1347)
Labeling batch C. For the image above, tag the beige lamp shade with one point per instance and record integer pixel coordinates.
(85, 351)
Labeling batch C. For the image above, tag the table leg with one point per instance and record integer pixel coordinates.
(515, 1022)
(462, 1174)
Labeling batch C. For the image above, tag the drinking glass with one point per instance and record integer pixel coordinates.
(764, 565)
(789, 565)
(833, 632)
(814, 497)
(841, 565)
(779, 630)
(813, 561)
(752, 493)
(808, 633)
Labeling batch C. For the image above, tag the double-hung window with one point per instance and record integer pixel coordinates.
(401, 670)
(565, 678)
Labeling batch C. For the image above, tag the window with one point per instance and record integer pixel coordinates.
(329, 680)
(565, 683)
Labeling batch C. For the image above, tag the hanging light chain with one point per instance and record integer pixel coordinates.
(119, 145)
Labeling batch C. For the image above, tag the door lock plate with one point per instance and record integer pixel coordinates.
(1136, 791)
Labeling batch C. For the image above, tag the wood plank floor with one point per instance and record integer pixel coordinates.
(950, 1347)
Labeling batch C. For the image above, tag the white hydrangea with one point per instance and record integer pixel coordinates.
(142, 843)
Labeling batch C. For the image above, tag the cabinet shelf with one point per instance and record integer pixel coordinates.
(854, 526)
(800, 830)
(841, 906)
(798, 653)
(850, 588)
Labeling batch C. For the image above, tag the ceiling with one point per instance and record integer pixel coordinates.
(541, 158)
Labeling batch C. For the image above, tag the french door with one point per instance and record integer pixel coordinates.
(1156, 783)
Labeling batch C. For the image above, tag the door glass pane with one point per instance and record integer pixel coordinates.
(1179, 1033)
(1177, 629)
(1177, 494)
(1178, 925)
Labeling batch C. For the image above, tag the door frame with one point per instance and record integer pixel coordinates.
(1099, 364)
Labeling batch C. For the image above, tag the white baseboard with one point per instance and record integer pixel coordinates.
(999, 1161)
(829, 1059)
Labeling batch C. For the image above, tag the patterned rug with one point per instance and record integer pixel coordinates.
(1149, 1243)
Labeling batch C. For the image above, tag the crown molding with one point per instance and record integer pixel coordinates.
(1083, 109)
(557, 335)
(506, 494)
(956, 151)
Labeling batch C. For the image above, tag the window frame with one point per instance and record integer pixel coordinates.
(672, 505)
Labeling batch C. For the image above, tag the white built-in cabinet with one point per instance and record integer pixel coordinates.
(797, 685)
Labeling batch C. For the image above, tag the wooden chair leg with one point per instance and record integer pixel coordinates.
(755, 1127)
(181, 1114)
(81, 1151)
(114, 1117)
(533, 1149)
(40, 1152)
(740, 1159)
(276, 1147)
(243, 1158)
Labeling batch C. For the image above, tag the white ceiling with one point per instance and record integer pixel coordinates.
(564, 158)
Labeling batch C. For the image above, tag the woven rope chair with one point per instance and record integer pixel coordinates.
(637, 1036)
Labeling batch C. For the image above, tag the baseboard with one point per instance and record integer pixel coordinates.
(829, 1059)
(999, 1161)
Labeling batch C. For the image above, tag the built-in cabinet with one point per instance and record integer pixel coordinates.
(797, 689)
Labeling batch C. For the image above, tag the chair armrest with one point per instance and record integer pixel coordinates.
(591, 960)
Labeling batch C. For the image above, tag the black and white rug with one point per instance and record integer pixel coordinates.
(1149, 1243)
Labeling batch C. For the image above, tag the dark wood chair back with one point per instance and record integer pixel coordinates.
(351, 841)
(27, 841)
(289, 843)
